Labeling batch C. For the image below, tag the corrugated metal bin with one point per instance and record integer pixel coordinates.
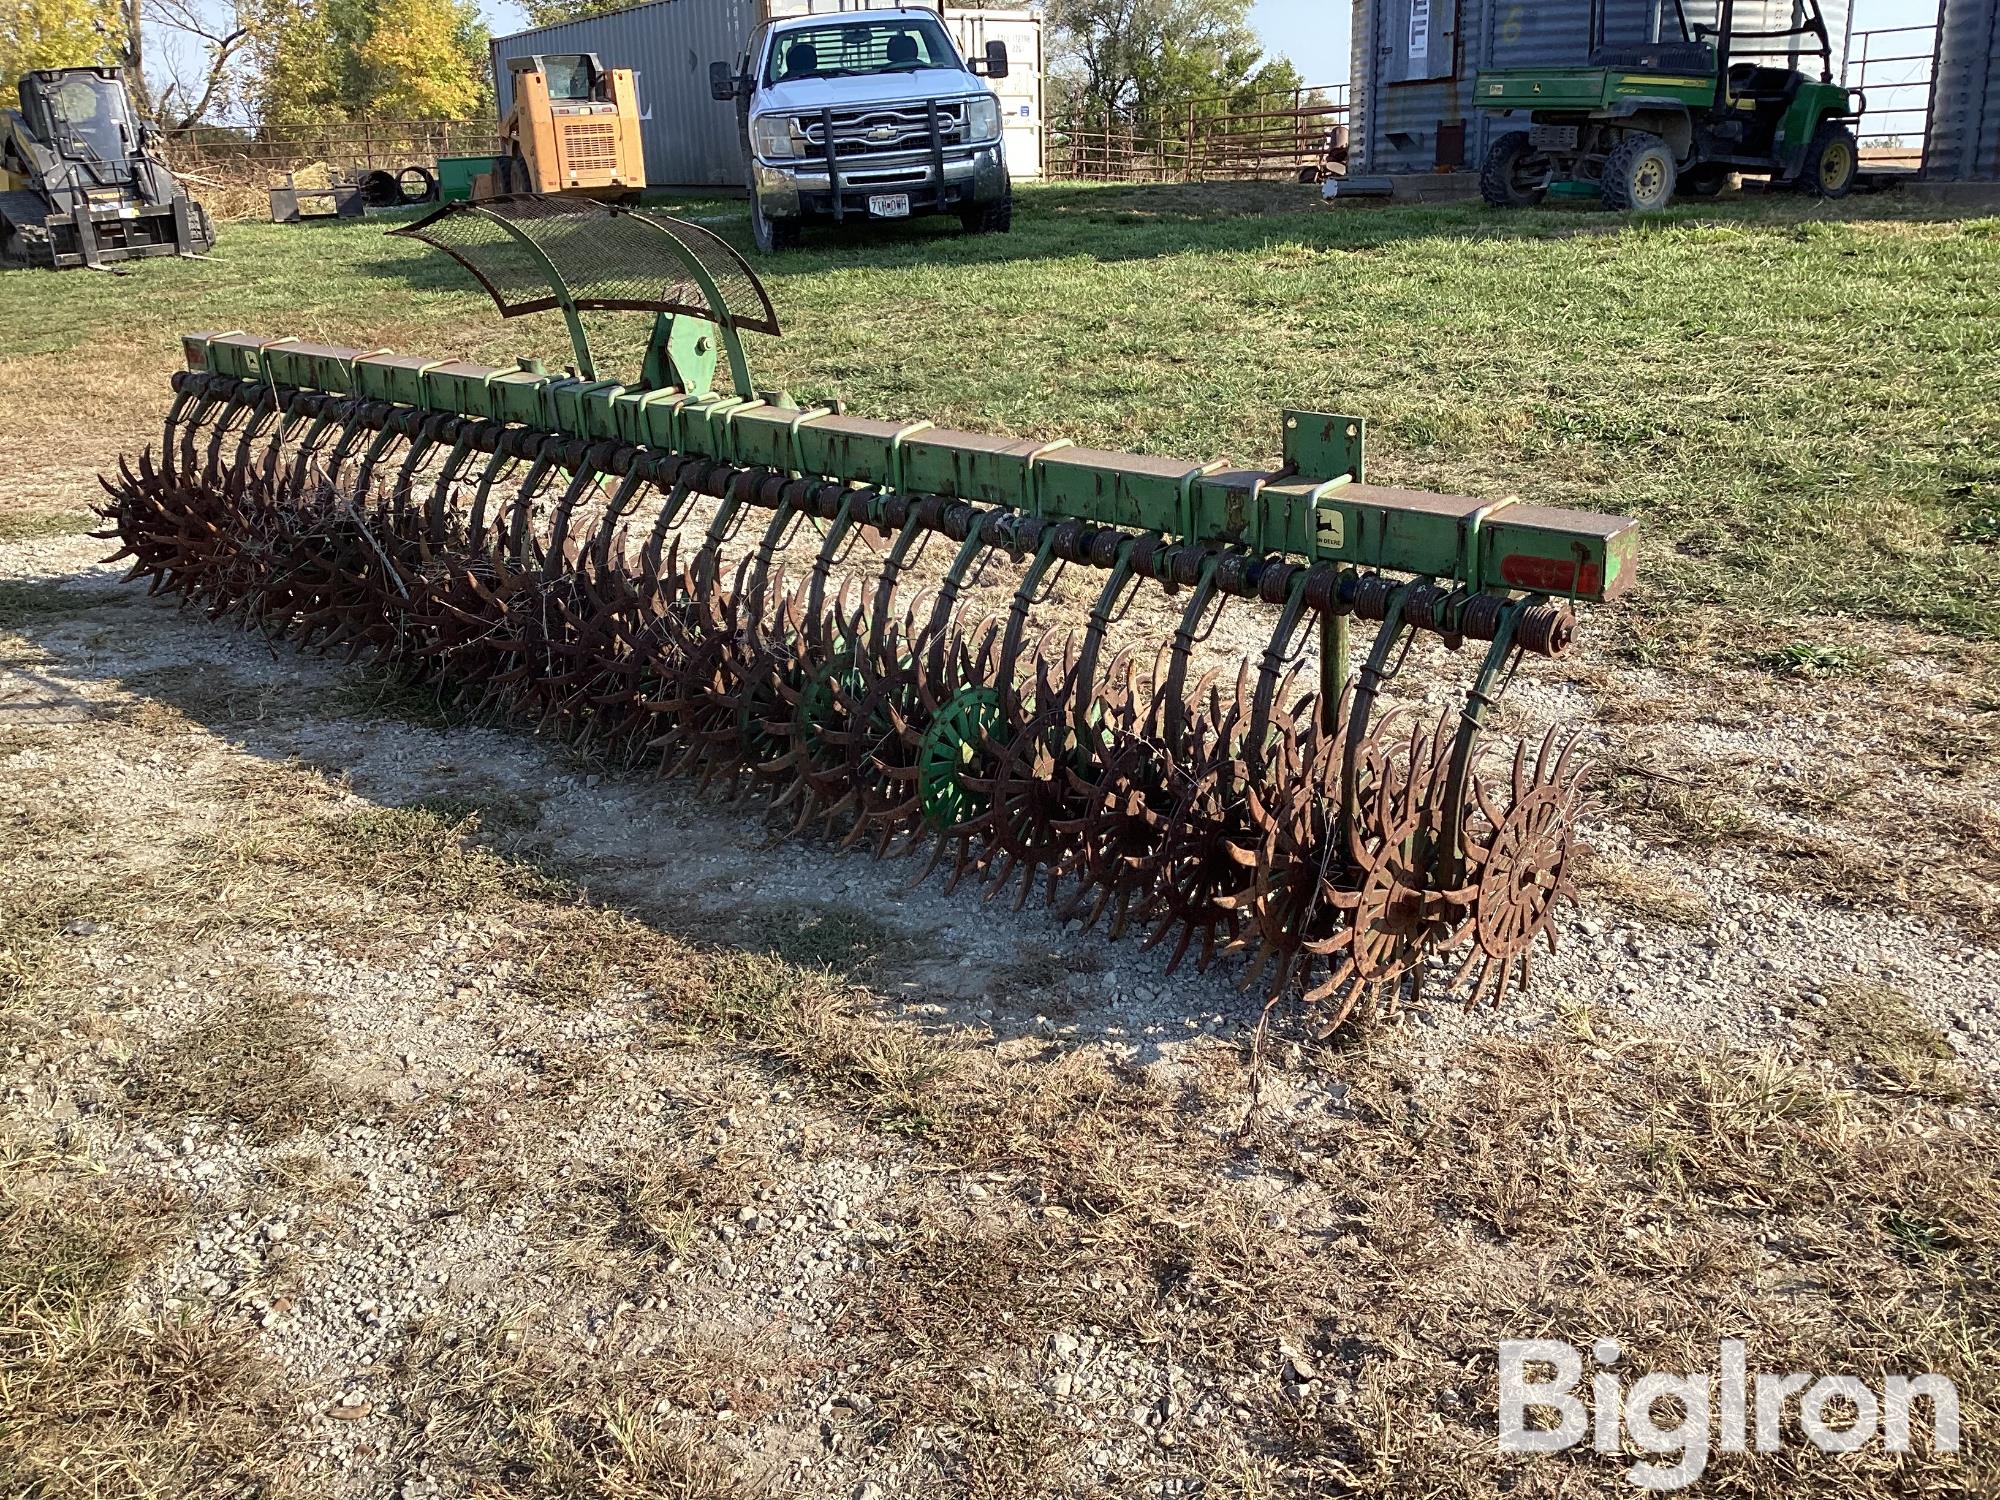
(1964, 141)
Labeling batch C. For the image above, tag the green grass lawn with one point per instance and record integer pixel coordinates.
(1802, 401)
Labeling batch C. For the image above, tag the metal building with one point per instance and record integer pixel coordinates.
(1414, 62)
(690, 138)
(1963, 138)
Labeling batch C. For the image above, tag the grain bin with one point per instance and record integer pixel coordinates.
(1415, 61)
(1964, 137)
(690, 139)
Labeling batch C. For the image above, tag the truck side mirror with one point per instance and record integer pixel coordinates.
(995, 65)
(721, 82)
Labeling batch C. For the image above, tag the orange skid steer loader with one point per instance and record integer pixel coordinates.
(573, 129)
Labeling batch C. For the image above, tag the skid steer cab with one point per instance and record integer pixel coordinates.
(1647, 121)
(81, 182)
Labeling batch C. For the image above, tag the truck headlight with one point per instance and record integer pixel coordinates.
(771, 136)
(982, 118)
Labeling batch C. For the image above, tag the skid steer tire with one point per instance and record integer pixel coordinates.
(1639, 175)
(1500, 176)
(1832, 162)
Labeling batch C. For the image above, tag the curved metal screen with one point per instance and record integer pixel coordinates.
(609, 258)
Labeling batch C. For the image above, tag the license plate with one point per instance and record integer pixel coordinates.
(889, 205)
(1553, 137)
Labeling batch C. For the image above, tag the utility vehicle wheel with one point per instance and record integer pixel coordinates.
(773, 236)
(201, 228)
(989, 218)
(1639, 175)
(1507, 179)
(1832, 160)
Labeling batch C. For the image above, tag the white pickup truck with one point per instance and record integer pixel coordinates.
(866, 115)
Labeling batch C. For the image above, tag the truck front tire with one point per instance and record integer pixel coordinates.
(1639, 174)
(989, 218)
(1500, 179)
(772, 236)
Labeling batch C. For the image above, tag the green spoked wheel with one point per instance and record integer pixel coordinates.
(950, 743)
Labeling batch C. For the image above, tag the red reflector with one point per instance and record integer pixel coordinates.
(1550, 575)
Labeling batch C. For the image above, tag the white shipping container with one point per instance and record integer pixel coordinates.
(690, 138)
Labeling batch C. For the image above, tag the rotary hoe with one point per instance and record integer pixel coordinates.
(1035, 660)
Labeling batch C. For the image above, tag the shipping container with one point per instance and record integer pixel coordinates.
(1964, 139)
(690, 137)
(1415, 62)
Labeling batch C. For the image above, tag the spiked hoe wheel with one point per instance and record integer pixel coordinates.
(573, 551)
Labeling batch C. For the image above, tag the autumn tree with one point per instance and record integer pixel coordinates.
(295, 68)
(57, 34)
(319, 61)
(423, 60)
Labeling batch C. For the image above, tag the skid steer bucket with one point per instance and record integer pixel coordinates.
(1126, 683)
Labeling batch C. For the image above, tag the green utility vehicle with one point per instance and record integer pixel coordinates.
(1645, 121)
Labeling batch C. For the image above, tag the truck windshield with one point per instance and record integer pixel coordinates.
(847, 49)
(88, 119)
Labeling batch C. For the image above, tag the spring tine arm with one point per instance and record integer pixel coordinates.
(1189, 632)
(1449, 865)
(421, 447)
(669, 518)
(1281, 651)
(623, 498)
(500, 463)
(582, 483)
(373, 456)
(1102, 614)
(1374, 672)
(441, 488)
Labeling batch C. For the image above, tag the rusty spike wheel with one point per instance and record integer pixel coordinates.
(1520, 863)
(1344, 913)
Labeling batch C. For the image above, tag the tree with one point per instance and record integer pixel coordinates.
(294, 64)
(1144, 60)
(423, 60)
(324, 61)
(220, 39)
(57, 34)
(548, 12)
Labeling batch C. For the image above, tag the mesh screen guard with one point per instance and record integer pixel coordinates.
(609, 257)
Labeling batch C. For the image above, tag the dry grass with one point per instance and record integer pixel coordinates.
(1879, 1030)
(255, 1059)
(1839, 1211)
(1645, 891)
(514, 1404)
(99, 1399)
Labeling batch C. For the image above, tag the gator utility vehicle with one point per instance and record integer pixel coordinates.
(1645, 121)
(81, 183)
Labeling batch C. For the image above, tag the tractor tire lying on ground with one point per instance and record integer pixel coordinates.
(1639, 175)
(1500, 178)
